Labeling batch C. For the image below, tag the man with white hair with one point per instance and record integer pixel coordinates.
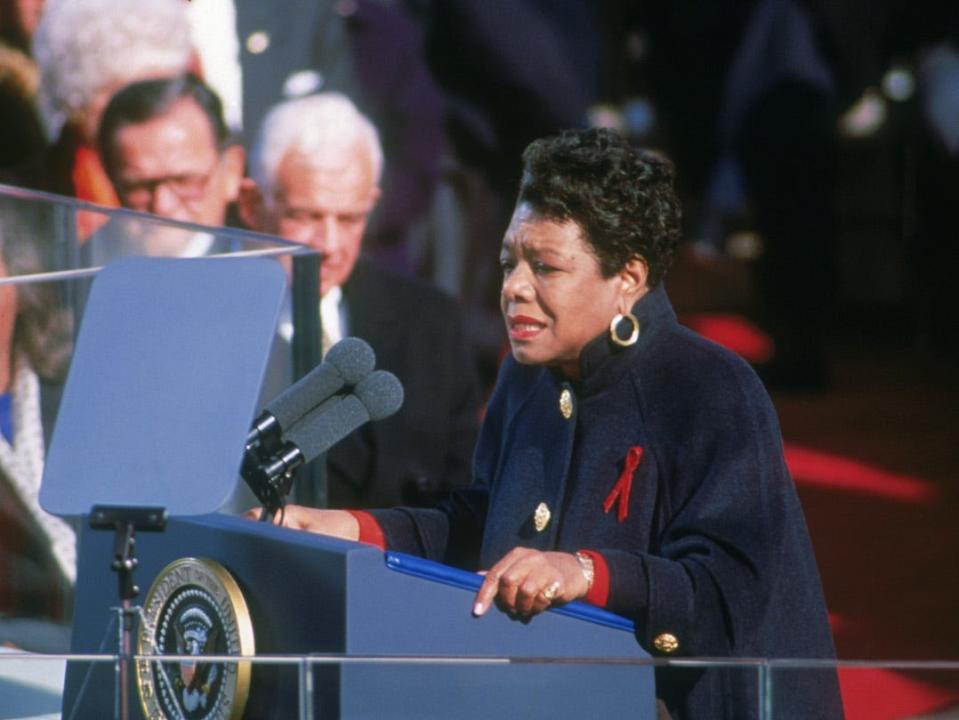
(316, 166)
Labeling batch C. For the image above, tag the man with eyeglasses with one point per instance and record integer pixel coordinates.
(168, 151)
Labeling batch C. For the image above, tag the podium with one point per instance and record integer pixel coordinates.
(310, 595)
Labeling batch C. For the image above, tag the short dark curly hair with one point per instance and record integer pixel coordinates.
(622, 197)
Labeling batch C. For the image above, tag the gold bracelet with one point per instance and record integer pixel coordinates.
(586, 565)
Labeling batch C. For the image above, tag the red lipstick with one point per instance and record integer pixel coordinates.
(523, 327)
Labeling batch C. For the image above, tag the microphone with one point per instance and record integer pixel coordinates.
(381, 392)
(346, 364)
(378, 395)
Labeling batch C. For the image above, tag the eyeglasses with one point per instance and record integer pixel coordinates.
(189, 188)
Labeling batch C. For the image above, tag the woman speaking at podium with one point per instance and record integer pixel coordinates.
(625, 460)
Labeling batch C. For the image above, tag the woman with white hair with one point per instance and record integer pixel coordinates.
(86, 50)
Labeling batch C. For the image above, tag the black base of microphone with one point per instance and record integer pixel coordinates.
(336, 398)
(271, 478)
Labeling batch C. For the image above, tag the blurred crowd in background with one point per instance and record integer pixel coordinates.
(788, 121)
(816, 141)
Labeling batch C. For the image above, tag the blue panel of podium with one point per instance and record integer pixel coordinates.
(309, 595)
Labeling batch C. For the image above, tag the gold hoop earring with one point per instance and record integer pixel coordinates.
(614, 334)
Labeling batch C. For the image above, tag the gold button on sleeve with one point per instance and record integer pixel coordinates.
(666, 643)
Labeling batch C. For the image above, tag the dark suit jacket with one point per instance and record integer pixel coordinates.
(426, 448)
(713, 548)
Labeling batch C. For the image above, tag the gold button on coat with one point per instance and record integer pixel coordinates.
(566, 403)
(666, 643)
(541, 517)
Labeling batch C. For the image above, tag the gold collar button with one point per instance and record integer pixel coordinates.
(566, 403)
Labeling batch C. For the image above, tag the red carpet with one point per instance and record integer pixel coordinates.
(877, 694)
(733, 332)
(819, 468)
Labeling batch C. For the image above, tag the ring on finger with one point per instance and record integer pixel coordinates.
(549, 592)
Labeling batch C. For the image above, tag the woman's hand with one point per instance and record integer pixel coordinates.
(526, 582)
(337, 523)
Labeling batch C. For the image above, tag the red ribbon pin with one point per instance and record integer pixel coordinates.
(624, 485)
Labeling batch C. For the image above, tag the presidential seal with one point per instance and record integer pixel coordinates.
(193, 609)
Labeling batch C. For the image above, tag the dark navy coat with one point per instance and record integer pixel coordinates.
(713, 550)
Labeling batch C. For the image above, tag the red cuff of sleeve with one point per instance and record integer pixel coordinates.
(598, 594)
(370, 531)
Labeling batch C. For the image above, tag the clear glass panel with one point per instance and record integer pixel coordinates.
(51, 248)
(65, 234)
(876, 690)
(337, 686)
(31, 685)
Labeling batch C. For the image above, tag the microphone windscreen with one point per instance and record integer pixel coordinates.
(327, 424)
(354, 358)
(347, 362)
(381, 393)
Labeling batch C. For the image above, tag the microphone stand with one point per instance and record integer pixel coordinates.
(125, 521)
(270, 477)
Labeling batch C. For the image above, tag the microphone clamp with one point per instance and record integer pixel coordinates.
(271, 477)
(265, 433)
